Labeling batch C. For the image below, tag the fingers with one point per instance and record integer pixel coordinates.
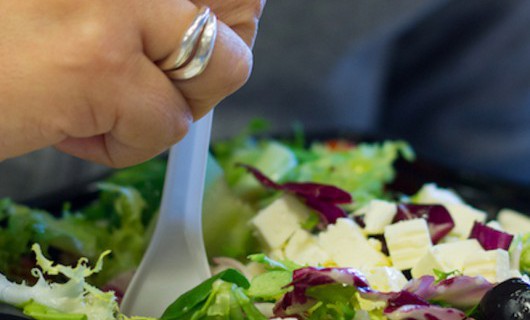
(150, 116)
(162, 25)
(156, 112)
(94, 89)
(229, 67)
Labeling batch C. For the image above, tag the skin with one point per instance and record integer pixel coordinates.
(82, 75)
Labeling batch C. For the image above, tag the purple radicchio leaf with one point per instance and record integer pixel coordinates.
(329, 213)
(403, 298)
(489, 238)
(438, 218)
(319, 191)
(405, 305)
(460, 291)
(320, 197)
(409, 304)
(295, 302)
(425, 312)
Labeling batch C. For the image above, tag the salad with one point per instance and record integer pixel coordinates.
(292, 232)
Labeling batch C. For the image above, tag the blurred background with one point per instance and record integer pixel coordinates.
(451, 77)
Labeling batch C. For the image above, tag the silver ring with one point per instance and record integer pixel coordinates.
(189, 42)
(195, 50)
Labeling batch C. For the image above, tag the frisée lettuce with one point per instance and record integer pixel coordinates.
(221, 297)
(73, 299)
(118, 219)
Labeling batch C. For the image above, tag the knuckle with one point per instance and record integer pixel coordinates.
(239, 73)
(87, 118)
(174, 121)
(94, 49)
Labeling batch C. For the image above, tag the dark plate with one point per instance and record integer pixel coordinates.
(486, 193)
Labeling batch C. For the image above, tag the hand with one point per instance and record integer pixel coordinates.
(83, 75)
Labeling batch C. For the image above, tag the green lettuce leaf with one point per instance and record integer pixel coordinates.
(72, 235)
(270, 285)
(271, 264)
(226, 216)
(362, 170)
(75, 235)
(220, 297)
(41, 312)
(524, 262)
(334, 301)
(75, 296)
(127, 240)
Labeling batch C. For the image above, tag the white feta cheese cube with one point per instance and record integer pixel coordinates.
(494, 224)
(464, 217)
(303, 248)
(385, 279)
(407, 242)
(346, 245)
(427, 264)
(430, 193)
(446, 257)
(514, 222)
(376, 244)
(494, 265)
(276, 223)
(378, 214)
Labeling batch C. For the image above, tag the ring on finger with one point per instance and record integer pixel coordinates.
(194, 52)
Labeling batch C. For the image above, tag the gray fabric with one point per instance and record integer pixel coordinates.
(300, 44)
(459, 87)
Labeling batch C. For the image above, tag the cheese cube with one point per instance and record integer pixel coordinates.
(446, 257)
(514, 222)
(407, 242)
(495, 225)
(276, 223)
(430, 193)
(376, 244)
(428, 263)
(378, 215)
(464, 217)
(303, 248)
(494, 265)
(385, 279)
(346, 245)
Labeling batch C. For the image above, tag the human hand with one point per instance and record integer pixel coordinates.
(83, 75)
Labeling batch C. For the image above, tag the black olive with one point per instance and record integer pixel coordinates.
(509, 300)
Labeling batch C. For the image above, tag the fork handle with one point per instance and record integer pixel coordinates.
(175, 260)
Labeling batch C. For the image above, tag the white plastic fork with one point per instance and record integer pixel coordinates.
(175, 260)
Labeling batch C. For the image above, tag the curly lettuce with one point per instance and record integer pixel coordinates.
(363, 170)
(77, 234)
(74, 299)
